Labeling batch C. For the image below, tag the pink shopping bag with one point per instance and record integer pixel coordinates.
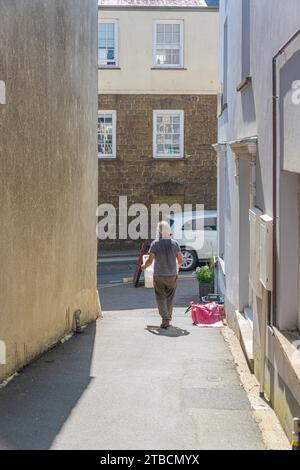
(207, 313)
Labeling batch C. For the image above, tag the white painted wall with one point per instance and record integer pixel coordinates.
(249, 113)
(200, 74)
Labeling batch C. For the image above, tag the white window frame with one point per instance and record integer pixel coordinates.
(177, 112)
(181, 54)
(115, 22)
(112, 156)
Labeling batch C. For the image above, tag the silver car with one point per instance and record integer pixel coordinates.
(196, 233)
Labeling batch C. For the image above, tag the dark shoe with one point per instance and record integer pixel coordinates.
(165, 324)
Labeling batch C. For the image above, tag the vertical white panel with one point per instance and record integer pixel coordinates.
(254, 276)
(2, 92)
(266, 251)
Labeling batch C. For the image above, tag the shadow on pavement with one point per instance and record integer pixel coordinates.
(171, 332)
(37, 403)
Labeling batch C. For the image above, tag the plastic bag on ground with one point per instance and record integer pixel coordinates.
(207, 314)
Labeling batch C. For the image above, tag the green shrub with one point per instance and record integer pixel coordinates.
(206, 274)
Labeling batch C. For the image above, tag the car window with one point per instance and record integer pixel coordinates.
(210, 224)
(197, 224)
(192, 225)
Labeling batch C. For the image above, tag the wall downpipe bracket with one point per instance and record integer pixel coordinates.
(78, 327)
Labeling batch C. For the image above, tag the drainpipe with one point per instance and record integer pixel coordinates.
(275, 98)
(275, 150)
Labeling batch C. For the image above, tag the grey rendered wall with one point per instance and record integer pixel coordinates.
(249, 113)
(48, 172)
(272, 23)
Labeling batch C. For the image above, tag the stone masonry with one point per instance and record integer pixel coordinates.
(135, 173)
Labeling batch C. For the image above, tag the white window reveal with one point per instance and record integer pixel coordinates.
(107, 43)
(168, 44)
(107, 134)
(168, 134)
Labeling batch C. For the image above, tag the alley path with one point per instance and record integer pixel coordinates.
(125, 384)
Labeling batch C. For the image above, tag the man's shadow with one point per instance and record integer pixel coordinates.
(171, 332)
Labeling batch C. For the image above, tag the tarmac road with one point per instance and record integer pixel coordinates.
(114, 271)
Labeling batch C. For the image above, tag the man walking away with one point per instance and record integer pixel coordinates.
(164, 252)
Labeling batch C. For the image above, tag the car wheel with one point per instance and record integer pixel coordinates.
(190, 260)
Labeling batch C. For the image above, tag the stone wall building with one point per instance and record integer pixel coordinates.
(48, 173)
(157, 75)
(258, 202)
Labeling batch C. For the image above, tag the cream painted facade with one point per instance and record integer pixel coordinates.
(132, 89)
(135, 73)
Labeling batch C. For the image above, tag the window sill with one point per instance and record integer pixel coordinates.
(168, 68)
(169, 159)
(109, 68)
(289, 348)
(106, 158)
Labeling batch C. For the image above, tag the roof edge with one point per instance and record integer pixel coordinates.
(157, 8)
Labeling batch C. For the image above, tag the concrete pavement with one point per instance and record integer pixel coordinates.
(126, 384)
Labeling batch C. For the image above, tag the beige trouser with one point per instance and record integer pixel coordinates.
(165, 288)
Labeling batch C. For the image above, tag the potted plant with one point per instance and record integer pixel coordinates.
(205, 276)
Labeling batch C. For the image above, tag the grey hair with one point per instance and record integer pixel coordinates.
(163, 229)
